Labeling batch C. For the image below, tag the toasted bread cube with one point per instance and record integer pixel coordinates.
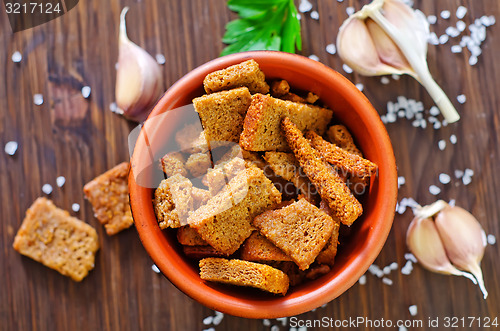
(340, 136)
(259, 248)
(246, 74)
(173, 201)
(222, 114)
(300, 230)
(191, 139)
(188, 236)
(173, 163)
(327, 255)
(261, 129)
(198, 164)
(108, 194)
(316, 271)
(51, 236)
(224, 221)
(329, 184)
(244, 273)
(201, 252)
(222, 173)
(279, 88)
(311, 98)
(200, 196)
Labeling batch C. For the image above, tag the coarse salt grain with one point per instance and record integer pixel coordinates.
(434, 190)
(375, 270)
(350, 10)
(47, 188)
(469, 172)
(386, 270)
(459, 174)
(11, 148)
(410, 257)
(437, 125)
(461, 11)
(209, 329)
(444, 178)
(452, 31)
(473, 60)
(86, 91)
(160, 58)
(16, 57)
(362, 280)
(393, 266)
(315, 15)
(445, 14)
(402, 328)
(442, 144)
(208, 320)
(456, 49)
(407, 268)
(432, 19)
(282, 320)
(155, 268)
(466, 179)
(434, 111)
(461, 98)
(346, 68)
(386, 281)
(331, 49)
(275, 328)
(384, 80)
(314, 57)
(360, 86)
(38, 99)
(395, 76)
(443, 39)
(60, 181)
(266, 322)
(305, 6)
(218, 317)
(413, 310)
(492, 240)
(401, 181)
(75, 207)
(461, 26)
(452, 202)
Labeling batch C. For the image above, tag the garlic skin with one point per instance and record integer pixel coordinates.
(463, 240)
(389, 37)
(423, 240)
(139, 81)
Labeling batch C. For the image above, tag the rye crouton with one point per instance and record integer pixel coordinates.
(224, 221)
(191, 139)
(244, 273)
(259, 248)
(188, 236)
(340, 136)
(300, 230)
(327, 255)
(51, 236)
(246, 74)
(329, 184)
(173, 201)
(198, 164)
(173, 163)
(201, 252)
(261, 129)
(222, 114)
(108, 194)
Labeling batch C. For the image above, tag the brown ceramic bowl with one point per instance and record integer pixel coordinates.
(356, 253)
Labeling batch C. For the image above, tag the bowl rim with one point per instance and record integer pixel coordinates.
(223, 302)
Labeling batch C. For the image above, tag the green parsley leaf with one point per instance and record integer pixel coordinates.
(263, 25)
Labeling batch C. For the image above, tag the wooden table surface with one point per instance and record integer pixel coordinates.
(77, 138)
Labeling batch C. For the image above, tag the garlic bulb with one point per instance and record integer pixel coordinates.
(455, 239)
(464, 240)
(389, 37)
(139, 81)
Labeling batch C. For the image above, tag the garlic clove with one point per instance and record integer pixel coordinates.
(463, 240)
(423, 240)
(139, 80)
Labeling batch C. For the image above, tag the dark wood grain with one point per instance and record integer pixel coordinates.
(79, 139)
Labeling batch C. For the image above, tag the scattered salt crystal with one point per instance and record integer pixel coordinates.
(114, 108)
(60, 181)
(461, 98)
(305, 6)
(302, 328)
(350, 10)
(266, 322)
(461, 26)
(452, 202)
(469, 172)
(314, 57)
(456, 49)
(433, 39)
(432, 19)
(360, 86)
(218, 317)
(444, 178)
(434, 190)
(473, 60)
(466, 180)
(407, 268)
(393, 265)
(362, 280)
(444, 123)
(442, 144)
(401, 114)
(395, 76)
(492, 240)
(209, 329)
(346, 68)
(282, 320)
(401, 181)
(386, 270)
(155, 268)
(401, 209)
(434, 111)
(402, 328)
(410, 257)
(160, 58)
(340, 0)
(315, 15)
(86, 91)
(423, 123)
(11, 147)
(432, 119)
(452, 31)
(413, 310)
(445, 14)
(208, 320)
(386, 281)
(75, 207)
(299, 17)
(437, 125)
(47, 188)
(331, 49)
(384, 80)
(17, 57)
(461, 11)
(391, 117)
(275, 328)
(38, 99)
(459, 174)
(443, 39)
(375, 270)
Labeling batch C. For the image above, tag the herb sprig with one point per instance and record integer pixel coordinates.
(263, 25)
